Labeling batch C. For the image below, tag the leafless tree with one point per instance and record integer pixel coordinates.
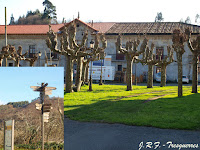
(163, 63)
(178, 40)
(194, 47)
(149, 59)
(131, 51)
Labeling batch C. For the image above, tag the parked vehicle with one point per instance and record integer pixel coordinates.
(185, 79)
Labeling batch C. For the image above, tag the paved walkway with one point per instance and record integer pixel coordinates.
(102, 136)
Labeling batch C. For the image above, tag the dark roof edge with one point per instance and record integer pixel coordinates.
(143, 33)
(159, 23)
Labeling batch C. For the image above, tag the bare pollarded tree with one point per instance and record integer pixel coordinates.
(149, 58)
(73, 51)
(94, 56)
(85, 71)
(178, 40)
(163, 63)
(131, 51)
(93, 52)
(69, 48)
(7, 52)
(194, 47)
(18, 56)
(32, 60)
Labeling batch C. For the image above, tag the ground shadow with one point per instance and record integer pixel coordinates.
(176, 113)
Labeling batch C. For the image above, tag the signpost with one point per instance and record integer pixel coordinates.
(9, 135)
(45, 108)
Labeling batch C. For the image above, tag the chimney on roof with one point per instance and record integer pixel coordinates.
(78, 15)
(92, 24)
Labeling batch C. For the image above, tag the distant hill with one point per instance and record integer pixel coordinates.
(18, 104)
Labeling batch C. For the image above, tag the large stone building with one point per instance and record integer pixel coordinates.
(32, 38)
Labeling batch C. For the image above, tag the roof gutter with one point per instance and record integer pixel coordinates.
(144, 33)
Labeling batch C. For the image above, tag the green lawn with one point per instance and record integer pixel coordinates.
(112, 104)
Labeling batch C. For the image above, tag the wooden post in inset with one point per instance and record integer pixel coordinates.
(42, 94)
(9, 135)
(44, 90)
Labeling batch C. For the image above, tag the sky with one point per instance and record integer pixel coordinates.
(107, 10)
(15, 82)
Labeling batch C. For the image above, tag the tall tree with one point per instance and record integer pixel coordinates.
(163, 63)
(181, 21)
(72, 51)
(159, 17)
(194, 47)
(49, 11)
(178, 40)
(95, 51)
(12, 20)
(149, 59)
(187, 20)
(66, 49)
(197, 17)
(131, 51)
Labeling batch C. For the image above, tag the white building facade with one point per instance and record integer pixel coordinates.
(32, 39)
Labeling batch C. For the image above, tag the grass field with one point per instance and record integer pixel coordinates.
(157, 107)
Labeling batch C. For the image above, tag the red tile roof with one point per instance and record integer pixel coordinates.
(96, 26)
(28, 29)
(102, 26)
(108, 28)
(76, 21)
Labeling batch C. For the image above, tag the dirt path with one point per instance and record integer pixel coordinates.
(154, 98)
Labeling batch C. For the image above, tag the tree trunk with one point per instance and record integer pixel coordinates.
(129, 74)
(163, 75)
(79, 73)
(32, 63)
(4, 62)
(69, 74)
(86, 73)
(150, 76)
(83, 73)
(195, 74)
(17, 63)
(180, 73)
(1, 60)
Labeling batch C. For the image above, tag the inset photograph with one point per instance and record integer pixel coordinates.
(31, 106)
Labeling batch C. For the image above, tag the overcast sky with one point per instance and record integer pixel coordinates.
(16, 82)
(107, 10)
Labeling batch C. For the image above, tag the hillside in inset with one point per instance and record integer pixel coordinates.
(28, 122)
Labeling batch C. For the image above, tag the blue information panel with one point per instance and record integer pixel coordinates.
(98, 63)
